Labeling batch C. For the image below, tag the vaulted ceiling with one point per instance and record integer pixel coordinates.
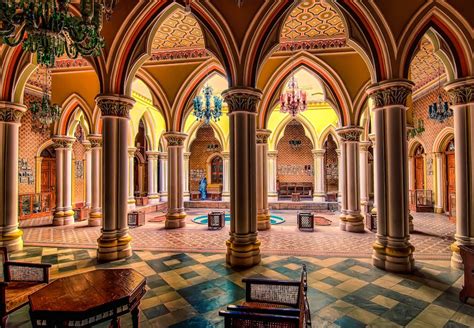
(425, 66)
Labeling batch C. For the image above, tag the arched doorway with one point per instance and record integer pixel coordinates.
(140, 167)
(48, 179)
(419, 169)
(217, 170)
(331, 169)
(450, 185)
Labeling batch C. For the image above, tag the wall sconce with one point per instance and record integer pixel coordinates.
(295, 144)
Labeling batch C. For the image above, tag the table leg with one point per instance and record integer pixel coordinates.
(115, 323)
(135, 317)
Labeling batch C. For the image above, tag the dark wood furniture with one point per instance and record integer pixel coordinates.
(87, 299)
(20, 280)
(271, 303)
(286, 189)
(305, 221)
(331, 197)
(371, 221)
(136, 218)
(36, 205)
(214, 192)
(195, 195)
(216, 220)
(141, 201)
(421, 200)
(295, 197)
(81, 213)
(467, 254)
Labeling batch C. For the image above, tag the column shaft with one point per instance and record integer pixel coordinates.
(272, 176)
(263, 212)
(186, 176)
(153, 194)
(95, 215)
(439, 203)
(226, 176)
(88, 165)
(364, 176)
(163, 177)
(131, 177)
(319, 194)
(64, 215)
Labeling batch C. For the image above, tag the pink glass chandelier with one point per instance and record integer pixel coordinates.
(293, 101)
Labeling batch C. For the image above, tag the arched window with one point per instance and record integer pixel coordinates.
(217, 168)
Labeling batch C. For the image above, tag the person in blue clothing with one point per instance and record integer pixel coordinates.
(203, 188)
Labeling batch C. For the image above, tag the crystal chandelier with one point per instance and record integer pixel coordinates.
(439, 110)
(293, 101)
(206, 111)
(43, 112)
(48, 28)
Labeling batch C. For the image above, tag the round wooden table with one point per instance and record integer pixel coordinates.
(87, 299)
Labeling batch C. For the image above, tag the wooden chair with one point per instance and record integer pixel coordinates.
(20, 281)
(271, 303)
(467, 254)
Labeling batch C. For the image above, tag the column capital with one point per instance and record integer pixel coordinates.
(350, 133)
(225, 155)
(272, 153)
(390, 92)
(95, 140)
(175, 139)
(263, 135)
(364, 145)
(187, 155)
(372, 138)
(152, 154)
(115, 105)
(61, 142)
(131, 151)
(461, 91)
(318, 152)
(87, 145)
(241, 99)
(163, 156)
(11, 112)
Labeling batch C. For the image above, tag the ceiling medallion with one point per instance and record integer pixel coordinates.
(293, 101)
(48, 29)
(439, 110)
(207, 111)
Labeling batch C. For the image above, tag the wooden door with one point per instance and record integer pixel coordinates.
(450, 179)
(419, 173)
(48, 181)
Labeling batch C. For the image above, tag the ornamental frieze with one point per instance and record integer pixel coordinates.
(175, 139)
(242, 100)
(313, 44)
(115, 106)
(462, 95)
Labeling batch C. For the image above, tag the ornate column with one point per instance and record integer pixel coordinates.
(392, 248)
(153, 195)
(114, 242)
(319, 194)
(351, 219)
(243, 247)
(176, 214)
(462, 97)
(131, 178)
(263, 213)
(341, 173)
(226, 176)
(272, 175)
(10, 116)
(88, 160)
(64, 215)
(163, 158)
(439, 208)
(186, 175)
(364, 176)
(95, 215)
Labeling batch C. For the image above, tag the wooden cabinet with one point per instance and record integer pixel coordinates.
(287, 189)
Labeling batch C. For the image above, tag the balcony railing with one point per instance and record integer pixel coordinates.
(35, 205)
(421, 200)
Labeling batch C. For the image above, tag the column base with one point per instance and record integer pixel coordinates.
(272, 198)
(226, 197)
(352, 222)
(164, 197)
(112, 247)
(12, 240)
(153, 199)
(95, 219)
(243, 255)
(394, 259)
(263, 222)
(132, 203)
(319, 199)
(439, 210)
(456, 259)
(175, 220)
(63, 218)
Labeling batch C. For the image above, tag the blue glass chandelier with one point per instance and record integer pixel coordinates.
(206, 110)
(439, 110)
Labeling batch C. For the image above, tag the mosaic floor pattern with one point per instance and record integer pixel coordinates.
(188, 289)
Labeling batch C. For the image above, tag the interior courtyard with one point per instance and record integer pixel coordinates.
(352, 117)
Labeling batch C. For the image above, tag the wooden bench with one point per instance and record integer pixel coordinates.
(271, 303)
(467, 254)
(20, 281)
(287, 189)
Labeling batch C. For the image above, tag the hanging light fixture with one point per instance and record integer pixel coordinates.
(293, 101)
(207, 111)
(43, 112)
(439, 110)
(48, 29)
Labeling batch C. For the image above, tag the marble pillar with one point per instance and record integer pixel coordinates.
(364, 176)
(64, 214)
(95, 214)
(272, 156)
(131, 178)
(392, 248)
(88, 165)
(187, 155)
(340, 178)
(243, 247)
(462, 97)
(319, 194)
(440, 183)
(373, 211)
(153, 195)
(163, 158)
(115, 241)
(226, 176)
(175, 218)
(263, 212)
(10, 234)
(351, 219)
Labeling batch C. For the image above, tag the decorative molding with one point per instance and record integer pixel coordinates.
(179, 54)
(318, 152)
(63, 142)
(351, 133)
(263, 135)
(131, 151)
(313, 44)
(175, 139)
(364, 146)
(461, 91)
(390, 93)
(242, 99)
(115, 106)
(66, 63)
(152, 155)
(95, 140)
(10, 112)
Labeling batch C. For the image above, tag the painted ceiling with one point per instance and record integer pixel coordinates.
(425, 66)
(179, 31)
(312, 19)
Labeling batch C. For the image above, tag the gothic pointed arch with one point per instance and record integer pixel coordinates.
(329, 130)
(442, 139)
(73, 104)
(278, 133)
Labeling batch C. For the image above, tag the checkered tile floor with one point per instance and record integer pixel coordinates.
(188, 289)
